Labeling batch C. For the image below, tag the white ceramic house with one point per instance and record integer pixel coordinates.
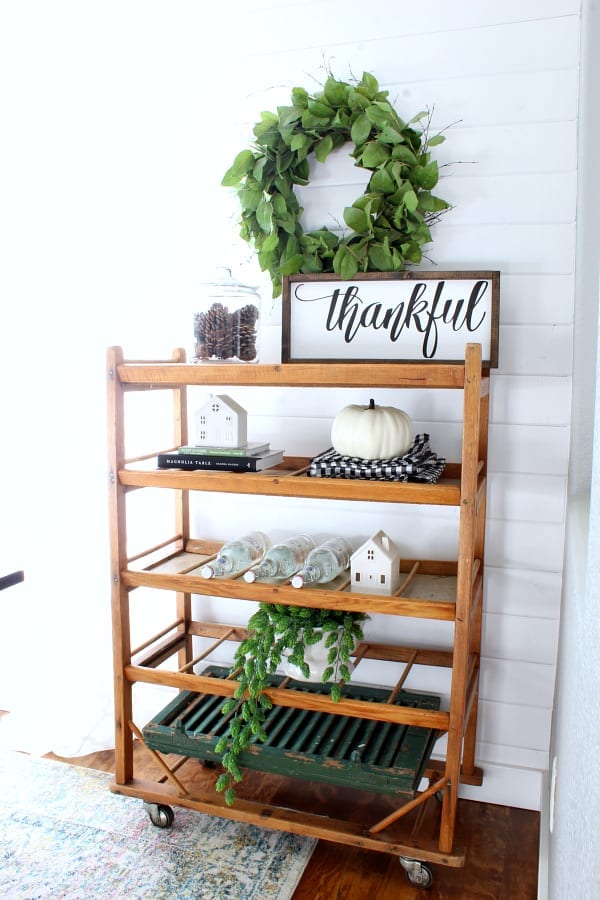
(375, 566)
(220, 422)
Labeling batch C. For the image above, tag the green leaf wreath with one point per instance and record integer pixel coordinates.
(388, 225)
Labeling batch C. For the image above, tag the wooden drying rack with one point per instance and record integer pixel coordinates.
(174, 564)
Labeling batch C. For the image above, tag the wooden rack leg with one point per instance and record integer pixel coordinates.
(468, 765)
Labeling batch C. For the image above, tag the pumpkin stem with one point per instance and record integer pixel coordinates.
(371, 404)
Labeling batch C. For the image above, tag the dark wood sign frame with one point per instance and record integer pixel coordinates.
(390, 317)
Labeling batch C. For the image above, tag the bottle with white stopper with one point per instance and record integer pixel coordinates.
(236, 556)
(324, 563)
(282, 560)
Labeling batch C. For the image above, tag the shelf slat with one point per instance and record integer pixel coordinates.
(413, 607)
(287, 481)
(409, 375)
(359, 709)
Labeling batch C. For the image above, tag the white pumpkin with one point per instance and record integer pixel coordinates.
(372, 432)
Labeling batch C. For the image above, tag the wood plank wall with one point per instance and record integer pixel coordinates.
(132, 116)
(504, 76)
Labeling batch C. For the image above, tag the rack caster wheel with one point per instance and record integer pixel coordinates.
(160, 815)
(418, 873)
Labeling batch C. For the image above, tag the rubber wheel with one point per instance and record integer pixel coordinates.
(422, 878)
(160, 815)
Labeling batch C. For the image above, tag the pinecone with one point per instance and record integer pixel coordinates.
(200, 333)
(244, 328)
(222, 331)
(223, 335)
(214, 333)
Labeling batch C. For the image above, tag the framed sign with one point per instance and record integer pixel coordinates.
(390, 317)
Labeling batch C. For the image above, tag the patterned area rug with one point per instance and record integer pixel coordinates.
(64, 835)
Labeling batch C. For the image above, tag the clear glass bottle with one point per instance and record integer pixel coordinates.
(324, 563)
(234, 557)
(282, 560)
(226, 325)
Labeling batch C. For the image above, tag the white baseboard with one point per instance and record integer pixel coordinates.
(544, 837)
(506, 786)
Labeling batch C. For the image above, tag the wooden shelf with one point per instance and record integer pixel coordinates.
(396, 375)
(286, 812)
(290, 480)
(429, 594)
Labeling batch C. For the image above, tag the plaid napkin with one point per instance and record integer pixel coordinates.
(419, 463)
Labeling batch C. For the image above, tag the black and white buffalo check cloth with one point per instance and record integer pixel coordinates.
(419, 463)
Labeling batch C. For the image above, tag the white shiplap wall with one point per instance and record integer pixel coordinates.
(120, 122)
(504, 76)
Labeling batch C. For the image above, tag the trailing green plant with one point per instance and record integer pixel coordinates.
(387, 226)
(275, 630)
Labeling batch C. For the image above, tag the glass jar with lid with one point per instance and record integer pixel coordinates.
(226, 325)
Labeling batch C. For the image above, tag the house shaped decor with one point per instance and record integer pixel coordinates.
(221, 422)
(375, 566)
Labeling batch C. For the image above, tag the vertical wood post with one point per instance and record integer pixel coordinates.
(464, 590)
(118, 561)
(183, 600)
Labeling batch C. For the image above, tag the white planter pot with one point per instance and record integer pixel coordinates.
(316, 658)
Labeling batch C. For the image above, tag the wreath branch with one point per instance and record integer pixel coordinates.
(387, 226)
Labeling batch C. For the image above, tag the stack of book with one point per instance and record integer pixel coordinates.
(250, 457)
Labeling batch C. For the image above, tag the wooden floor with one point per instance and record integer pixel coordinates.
(501, 849)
